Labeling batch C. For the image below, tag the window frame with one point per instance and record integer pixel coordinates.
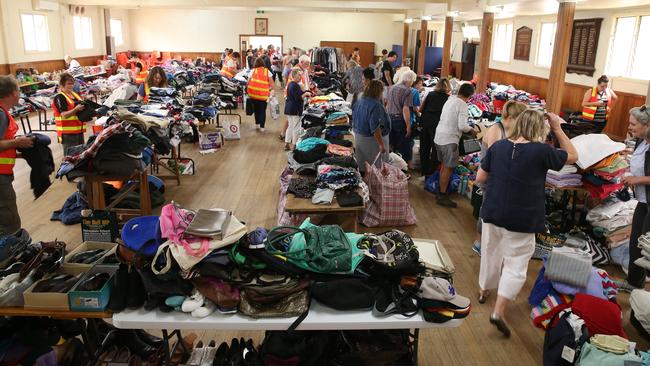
(91, 45)
(631, 57)
(508, 55)
(121, 31)
(539, 44)
(47, 32)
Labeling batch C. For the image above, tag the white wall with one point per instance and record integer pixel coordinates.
(123, 15)
(59, 23)
(97, 23)
(607, 27)
(12, 28)
(213, 30)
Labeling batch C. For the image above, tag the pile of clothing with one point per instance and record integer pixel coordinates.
(640, 314)
(565, 177)
(327, 110)
(612, 219)
(598, 156)
(567, 274)
(644, 245)
(509, 92)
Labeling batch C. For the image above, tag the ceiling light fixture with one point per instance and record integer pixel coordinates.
(427, 17)
(408, 20)
(454, 13)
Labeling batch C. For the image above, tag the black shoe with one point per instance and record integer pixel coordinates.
(135, 294)
(251, 356)
(130, 339)
(234, 353)
(500, 324)
(117, 301)
(149, 339)
(221, 357)
(445, 201)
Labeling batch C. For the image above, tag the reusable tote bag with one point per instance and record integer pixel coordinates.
(389, 197)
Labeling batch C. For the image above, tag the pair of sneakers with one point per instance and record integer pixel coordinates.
(197, 305)
(205, 356)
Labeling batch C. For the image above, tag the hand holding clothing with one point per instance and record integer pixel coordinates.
(23, 142)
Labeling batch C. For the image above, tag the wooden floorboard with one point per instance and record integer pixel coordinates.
(243, 177)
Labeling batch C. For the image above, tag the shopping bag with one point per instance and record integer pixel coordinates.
(210, 142)
(274, 105)
(250, 110)
(231, 129)
(389, 197)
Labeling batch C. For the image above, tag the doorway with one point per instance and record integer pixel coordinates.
(251, 41)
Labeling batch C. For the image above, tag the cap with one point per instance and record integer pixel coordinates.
(436, 288)
(142, 234)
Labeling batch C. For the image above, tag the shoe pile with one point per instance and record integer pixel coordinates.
(239, 353)
(440, 302)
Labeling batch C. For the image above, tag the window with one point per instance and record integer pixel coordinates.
(502, 43)
(35, 33)
(471, 31)
(546, 44)
(83, 32)
(629, 50)
(116, 31)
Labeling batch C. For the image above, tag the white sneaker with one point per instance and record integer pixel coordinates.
(208, 308)
(193, 302)
(262, 129)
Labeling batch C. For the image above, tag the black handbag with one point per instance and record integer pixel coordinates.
(468, 145)
(250, 110)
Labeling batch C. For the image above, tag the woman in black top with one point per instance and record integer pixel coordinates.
(431, 110)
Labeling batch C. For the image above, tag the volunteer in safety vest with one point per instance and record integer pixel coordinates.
(65, 106)
(157, 79)
(9, 96)
(229, 68)
(259, 90)
(140, 73)
(597, 103)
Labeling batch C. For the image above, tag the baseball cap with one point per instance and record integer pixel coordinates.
(142, 235)
(436, 288)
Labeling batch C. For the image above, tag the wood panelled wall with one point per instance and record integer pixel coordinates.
(572, 98)
(209, 56)
(47, 65)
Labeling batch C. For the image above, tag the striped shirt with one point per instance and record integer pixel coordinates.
(75, 69)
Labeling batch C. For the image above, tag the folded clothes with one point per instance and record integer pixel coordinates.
(593, 148)
(323, 196)
(302, 187)
(569, 266)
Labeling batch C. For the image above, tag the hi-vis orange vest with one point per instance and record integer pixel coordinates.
(589, 112)
(258, 84)
(8, 157)
(141, 77)
(70, 125)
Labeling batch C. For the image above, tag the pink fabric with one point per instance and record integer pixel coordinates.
(173, 222)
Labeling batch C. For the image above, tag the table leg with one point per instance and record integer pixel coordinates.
(416, 340)
(168, 359)
(90, 349)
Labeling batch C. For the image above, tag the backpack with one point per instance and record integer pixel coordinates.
(560, 346)
(392, 253)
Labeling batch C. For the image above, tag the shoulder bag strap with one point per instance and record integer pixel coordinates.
(164, 247)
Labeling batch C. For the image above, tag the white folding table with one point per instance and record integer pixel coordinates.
(319, 318)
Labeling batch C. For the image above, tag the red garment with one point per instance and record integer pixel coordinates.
(334, 149)
(600, 316)
(601, 192)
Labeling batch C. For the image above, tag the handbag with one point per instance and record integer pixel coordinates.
(468, 145)
(211, 223)
(434, 256)
(275, 301)
(320, 249)
(250, 109)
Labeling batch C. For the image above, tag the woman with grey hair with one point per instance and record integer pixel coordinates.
(399, 102)
(639, 179)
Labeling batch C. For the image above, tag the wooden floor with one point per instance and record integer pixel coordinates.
(243, 177)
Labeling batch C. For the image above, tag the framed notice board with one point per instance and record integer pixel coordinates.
(584, 44)
(523, 39)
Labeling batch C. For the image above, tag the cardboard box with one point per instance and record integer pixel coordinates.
(51, 300)
(110, 253)
(92, 300)
(87, 245)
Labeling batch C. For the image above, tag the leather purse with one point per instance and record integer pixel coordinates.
(212, 223)
(275, 301)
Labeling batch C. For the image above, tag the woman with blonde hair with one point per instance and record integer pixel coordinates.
(497, 132)
(514, 170)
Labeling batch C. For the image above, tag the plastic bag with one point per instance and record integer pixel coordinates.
(433, 182)
(397, 161)
(231, 130)
(210, 142)
(274, 105)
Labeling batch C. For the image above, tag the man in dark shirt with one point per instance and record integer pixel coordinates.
(387, 70)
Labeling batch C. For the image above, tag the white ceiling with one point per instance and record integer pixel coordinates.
(469, 9)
